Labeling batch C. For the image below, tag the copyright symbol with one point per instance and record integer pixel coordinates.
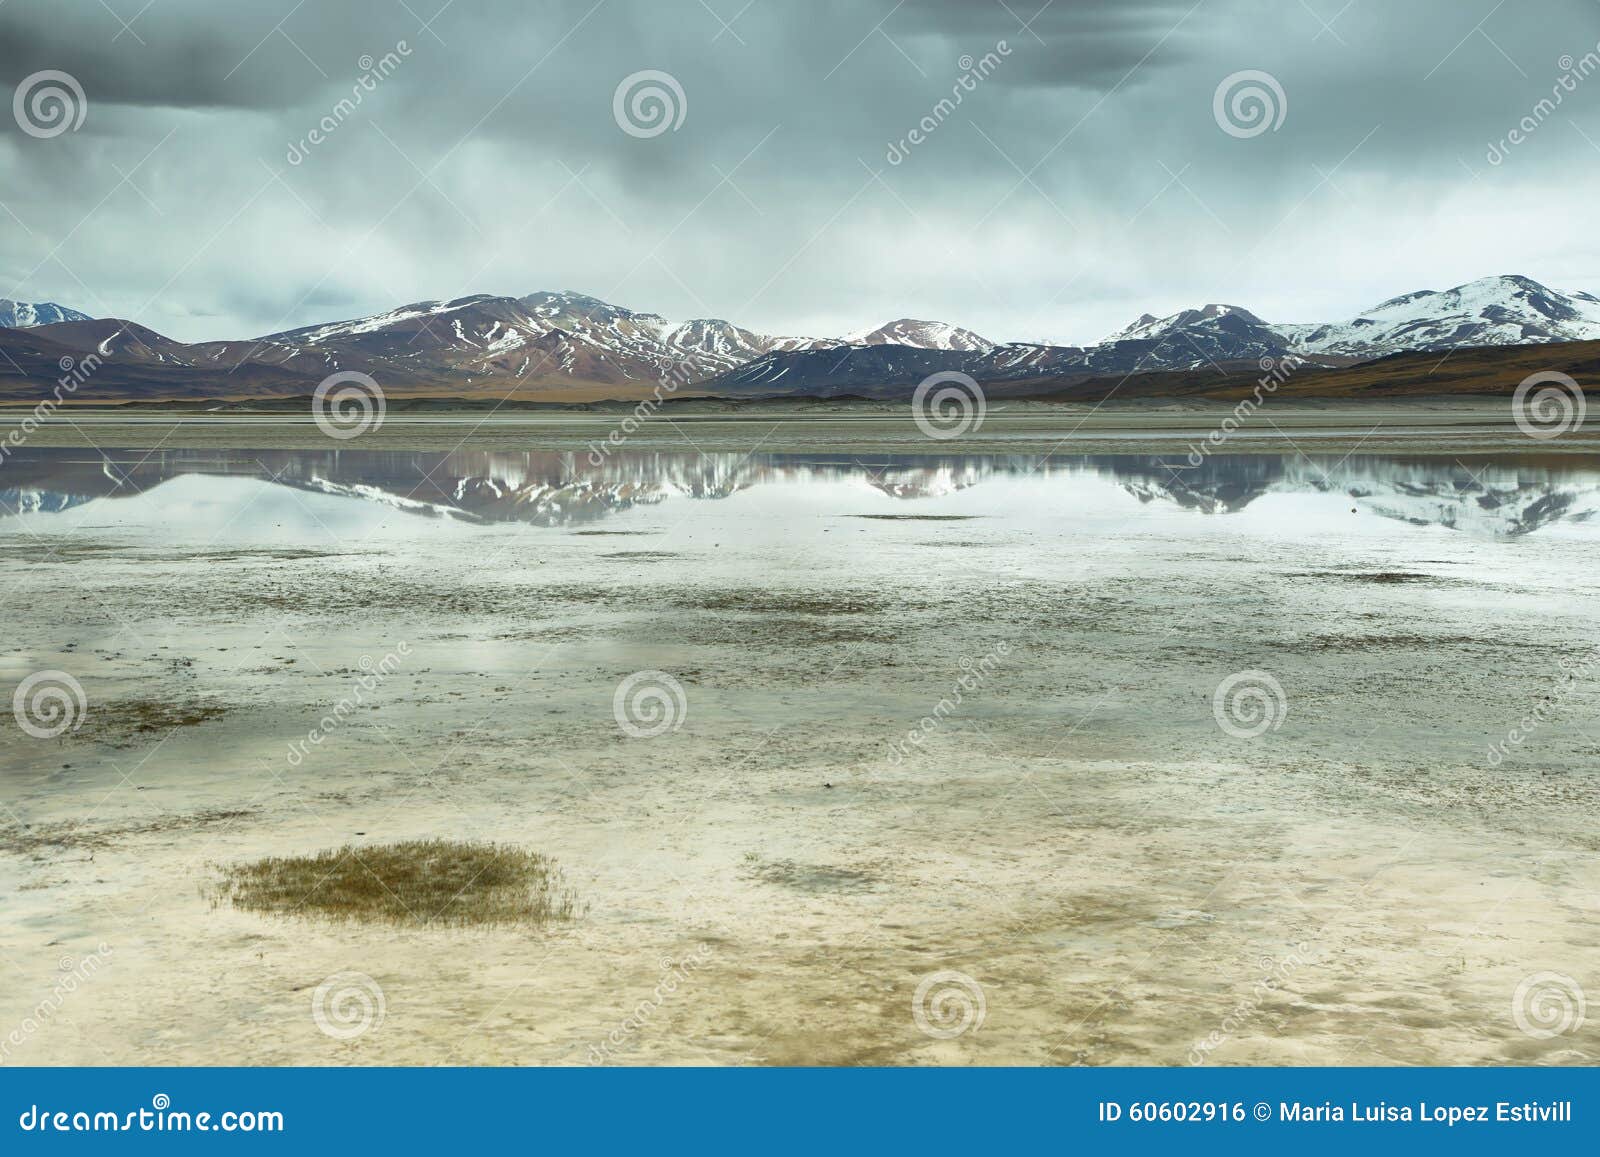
(1263, 1110)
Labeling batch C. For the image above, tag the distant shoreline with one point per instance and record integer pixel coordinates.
(1413, 427)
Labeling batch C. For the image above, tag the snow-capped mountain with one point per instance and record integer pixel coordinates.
(926, 335)
(541, 338)
(1190, 339)
(1149, 328)
(26, 314)
(1492, 311)
(704, 345)
(1507, 310)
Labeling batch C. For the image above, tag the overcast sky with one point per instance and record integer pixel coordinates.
(1084, 180)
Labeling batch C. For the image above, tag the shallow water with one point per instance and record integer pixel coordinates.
(1483, 495)
(926, 714)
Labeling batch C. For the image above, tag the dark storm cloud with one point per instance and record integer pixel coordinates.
(234, 176)
(1090, 45)
(179, 55)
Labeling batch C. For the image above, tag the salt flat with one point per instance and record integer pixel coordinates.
(932, 711)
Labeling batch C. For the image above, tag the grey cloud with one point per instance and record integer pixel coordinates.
(178, 55)
(1087, 44)
(1082, 182)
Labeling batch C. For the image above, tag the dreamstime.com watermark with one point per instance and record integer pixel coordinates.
(1248, 704)
(347, 1005)
(1275, 371)
(372, 678)
(1248, 103)
(648, 103)
(49, 103)
(74, 372)
(674, 973)
(948, 404)
(160, 1117)
(1548, 1004)
(1575, 671)
(348, 404)
(973, 72)
(373, 72)
(74, 974)
(649, 703)
(974, 674)
(1275, 972)
(1573, 73)
(1548, 404)
(669, 382)
(947, 1004)
(48, 704)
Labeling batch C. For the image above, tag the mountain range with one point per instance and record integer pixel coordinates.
(572, 347)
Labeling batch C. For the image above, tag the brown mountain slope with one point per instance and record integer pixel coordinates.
(1488, 372)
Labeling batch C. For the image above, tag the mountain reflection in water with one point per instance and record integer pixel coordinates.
(1501, 498)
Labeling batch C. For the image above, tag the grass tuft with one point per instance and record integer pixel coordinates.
(448, 882)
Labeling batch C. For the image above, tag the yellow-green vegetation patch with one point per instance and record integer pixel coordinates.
(449, 882)
(146, 715)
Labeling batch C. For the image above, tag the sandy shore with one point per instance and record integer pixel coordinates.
(1116, 875)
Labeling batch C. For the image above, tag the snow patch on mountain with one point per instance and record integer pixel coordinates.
(27, 314)
(1150, 328)
(926, 335)
(322, 334)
